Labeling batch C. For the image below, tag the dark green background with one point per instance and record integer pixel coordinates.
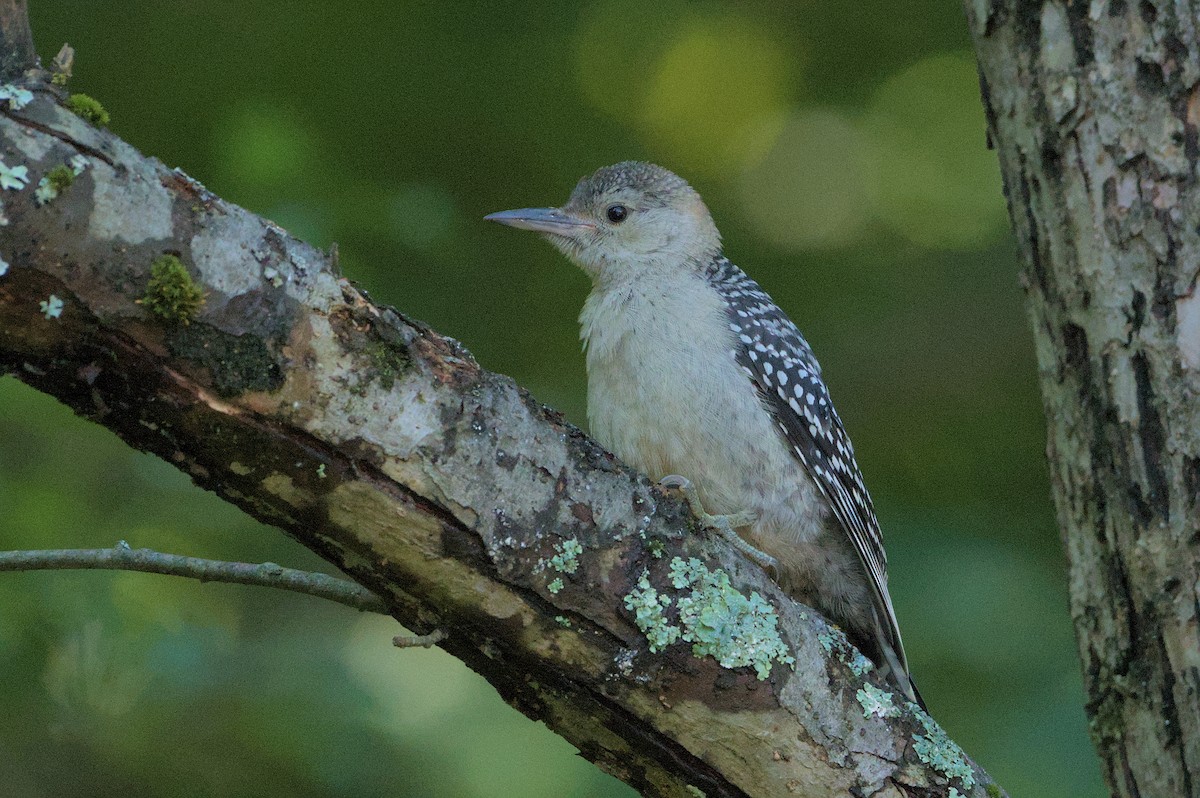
(840, 146)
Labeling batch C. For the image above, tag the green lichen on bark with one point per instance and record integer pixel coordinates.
(721, 622)
(566, 560)
(649, 612)
(718, 620)
(936, 749)
(876, 702)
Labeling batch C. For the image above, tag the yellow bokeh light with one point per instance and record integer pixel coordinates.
(689, 80)
(807, 190)
(718, 75)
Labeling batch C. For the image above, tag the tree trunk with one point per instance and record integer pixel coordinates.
(1094, 109)
(210, 337)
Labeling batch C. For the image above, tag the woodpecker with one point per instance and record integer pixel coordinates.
(693, 370)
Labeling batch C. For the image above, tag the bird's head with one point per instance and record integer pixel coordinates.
(626, 219)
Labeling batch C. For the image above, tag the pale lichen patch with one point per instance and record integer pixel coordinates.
(835, 642)
(415, 425)
(45, 192)
(876, 703)
(132, 209)
(936, 749)
(52, 307)
(13, 178)
(412, 420)
(33, 148)
(718, 620)
(1123, 387)
(566, 560)
(721, 622)
(16, 97)
(648, 607)
(1127, 191)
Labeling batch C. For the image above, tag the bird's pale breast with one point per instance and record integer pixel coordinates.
(669, 398)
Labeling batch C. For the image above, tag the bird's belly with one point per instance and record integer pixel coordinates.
(672, 410)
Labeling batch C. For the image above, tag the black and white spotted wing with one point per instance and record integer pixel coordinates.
(782, 366)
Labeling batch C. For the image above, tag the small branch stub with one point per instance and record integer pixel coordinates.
(419, 641)
(61, 66)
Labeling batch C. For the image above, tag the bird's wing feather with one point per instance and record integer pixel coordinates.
(782, 366)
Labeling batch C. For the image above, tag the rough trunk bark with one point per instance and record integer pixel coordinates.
(210, 337)
(1094, 109)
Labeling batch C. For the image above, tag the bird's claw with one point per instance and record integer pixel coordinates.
(675, 482)
(726, 525)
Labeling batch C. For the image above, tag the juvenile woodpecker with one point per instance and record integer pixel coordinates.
(694, 371)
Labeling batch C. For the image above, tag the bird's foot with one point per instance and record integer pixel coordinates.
(724, 524)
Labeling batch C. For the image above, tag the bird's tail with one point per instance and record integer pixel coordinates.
(893, 666)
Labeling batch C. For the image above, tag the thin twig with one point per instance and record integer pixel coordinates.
(123, 558)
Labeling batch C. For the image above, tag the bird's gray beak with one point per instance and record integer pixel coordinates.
(542, 220)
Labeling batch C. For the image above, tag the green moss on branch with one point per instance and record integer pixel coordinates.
(172, 293)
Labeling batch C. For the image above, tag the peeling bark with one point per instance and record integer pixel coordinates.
(445, 489)
(1095, 112)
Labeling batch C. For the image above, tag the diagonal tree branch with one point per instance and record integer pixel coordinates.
(446, 490)
(124, 558)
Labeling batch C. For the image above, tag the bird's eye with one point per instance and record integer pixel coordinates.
(616, 213)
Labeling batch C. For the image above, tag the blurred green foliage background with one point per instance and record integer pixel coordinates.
(840, 146)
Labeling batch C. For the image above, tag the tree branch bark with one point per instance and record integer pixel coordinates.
(1095, 111)
(446, 490)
